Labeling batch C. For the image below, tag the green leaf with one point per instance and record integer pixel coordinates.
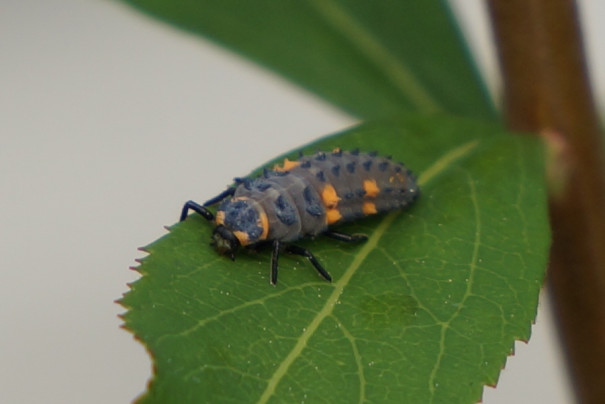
(371, 58)
(425, 311)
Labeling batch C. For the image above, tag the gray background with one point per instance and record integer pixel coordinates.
(108, 122)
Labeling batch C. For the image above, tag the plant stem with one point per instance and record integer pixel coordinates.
(546, 90)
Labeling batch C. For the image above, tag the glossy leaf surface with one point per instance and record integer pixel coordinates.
(426, 311)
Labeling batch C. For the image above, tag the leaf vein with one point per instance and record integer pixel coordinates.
(431, 172)
(357, 356)
(472, 270)
(327, 308)
(392, 67)
(262, 300)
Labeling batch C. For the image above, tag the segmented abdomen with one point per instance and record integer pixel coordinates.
(304, 197)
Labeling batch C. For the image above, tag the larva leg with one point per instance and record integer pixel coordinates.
(201, 209)
(196, 207)
(274, 261)
(355, 237)
(293, 249)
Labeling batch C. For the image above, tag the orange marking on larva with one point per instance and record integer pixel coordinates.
(242, 237)
(264, 223)
(220, 217)
(288, 165)
(369, 208)
(371, 188)
(329, 197)
(337, 150)
(333, 216)
(398, 176)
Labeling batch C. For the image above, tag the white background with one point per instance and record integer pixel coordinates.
(108, 122)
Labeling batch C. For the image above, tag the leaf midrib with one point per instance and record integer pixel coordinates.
(435, 169)
(372, 50)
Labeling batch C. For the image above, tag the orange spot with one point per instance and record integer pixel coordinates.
(337, 150)
(242, 237)
(220, 217)
(264, 223)
(397, 176)
(329, 197)
(333, 216)
(288, 165)
(369, 208)
(371, 188)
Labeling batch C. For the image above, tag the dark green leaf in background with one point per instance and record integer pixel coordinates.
(371, 58)
(425, 311)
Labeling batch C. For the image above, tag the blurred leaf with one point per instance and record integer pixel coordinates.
(425, 311)
(371, 58)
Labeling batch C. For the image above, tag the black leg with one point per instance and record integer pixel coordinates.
(201, 209)
(196, 207)
(293, 249)
(346, 237)
(220, 197)
(274, 261)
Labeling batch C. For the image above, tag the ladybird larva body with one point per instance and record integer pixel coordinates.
(304, 198)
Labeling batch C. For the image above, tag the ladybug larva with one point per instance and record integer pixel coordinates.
(304, 198)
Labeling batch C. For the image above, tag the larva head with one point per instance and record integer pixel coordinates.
(239, 222)
(225, 241)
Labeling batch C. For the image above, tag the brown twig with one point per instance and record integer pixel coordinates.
(546, 90)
